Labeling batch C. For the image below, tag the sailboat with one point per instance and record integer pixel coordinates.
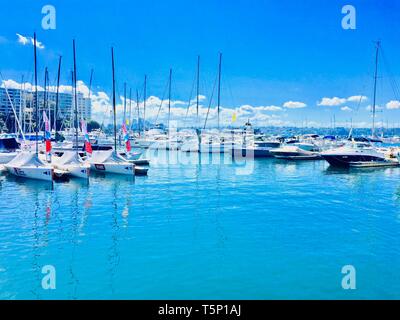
(214, 142)
(27, 164)
(110, 161)
(70, 160)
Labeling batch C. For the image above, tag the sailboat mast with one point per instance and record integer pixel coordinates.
(114, 106)
(45, 91)
(36, 96)
(144, 105)
(130, 108)
(138, 111)
(198, 87)
(20, 103)
(375, 78)
(57, 94)
(75, 98)
(124, 118)
(169, 99)
(219, 86)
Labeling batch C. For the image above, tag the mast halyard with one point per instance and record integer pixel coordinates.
(375, 79)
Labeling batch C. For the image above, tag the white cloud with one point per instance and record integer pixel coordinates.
(22, 40)
(357, 98)
(330, 102)
(335, 101)
(26, 40)
(346, 108)
(294, 105)
(377, 108)
(394, 104)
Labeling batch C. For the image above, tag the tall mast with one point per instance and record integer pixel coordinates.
(130, 108)
(198, 85)
(45, 91)
(75, 99)
(90, 83)
(90, 88)
(114, 107)
(47, 94)
(36, 95)
(57, 93)
(20, 105)
(124, 118)
(169, 99)
(219, 86)
(138, 111)
(144, 105)
(375, 78)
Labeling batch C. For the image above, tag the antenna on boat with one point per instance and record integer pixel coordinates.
(75, 99)
(57, 93)
(114, 107)
(36, 95)
(219, 86)
(378, 43)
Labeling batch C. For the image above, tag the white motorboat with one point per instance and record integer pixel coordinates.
(355, 153)
(297, 151)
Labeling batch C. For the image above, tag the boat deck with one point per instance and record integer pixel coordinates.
(374, 164)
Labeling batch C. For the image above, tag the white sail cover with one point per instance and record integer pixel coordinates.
(106, 156)
(68, 157)
(26, 159)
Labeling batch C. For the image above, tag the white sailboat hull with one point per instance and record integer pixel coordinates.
(38, 173)
(111, 167)
(75, 170)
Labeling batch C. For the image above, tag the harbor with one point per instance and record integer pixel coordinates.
(199, 151)
(282, 232)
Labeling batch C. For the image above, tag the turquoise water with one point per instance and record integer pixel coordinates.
(194, 229)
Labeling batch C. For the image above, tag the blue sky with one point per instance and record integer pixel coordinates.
(273, 51)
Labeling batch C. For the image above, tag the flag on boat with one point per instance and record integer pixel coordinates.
(47, 132)
(234, 117)
(88, 146)
(126, 138)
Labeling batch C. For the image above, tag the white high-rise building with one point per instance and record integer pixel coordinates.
(18, 98)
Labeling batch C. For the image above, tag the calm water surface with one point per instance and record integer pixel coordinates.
(193, 229)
